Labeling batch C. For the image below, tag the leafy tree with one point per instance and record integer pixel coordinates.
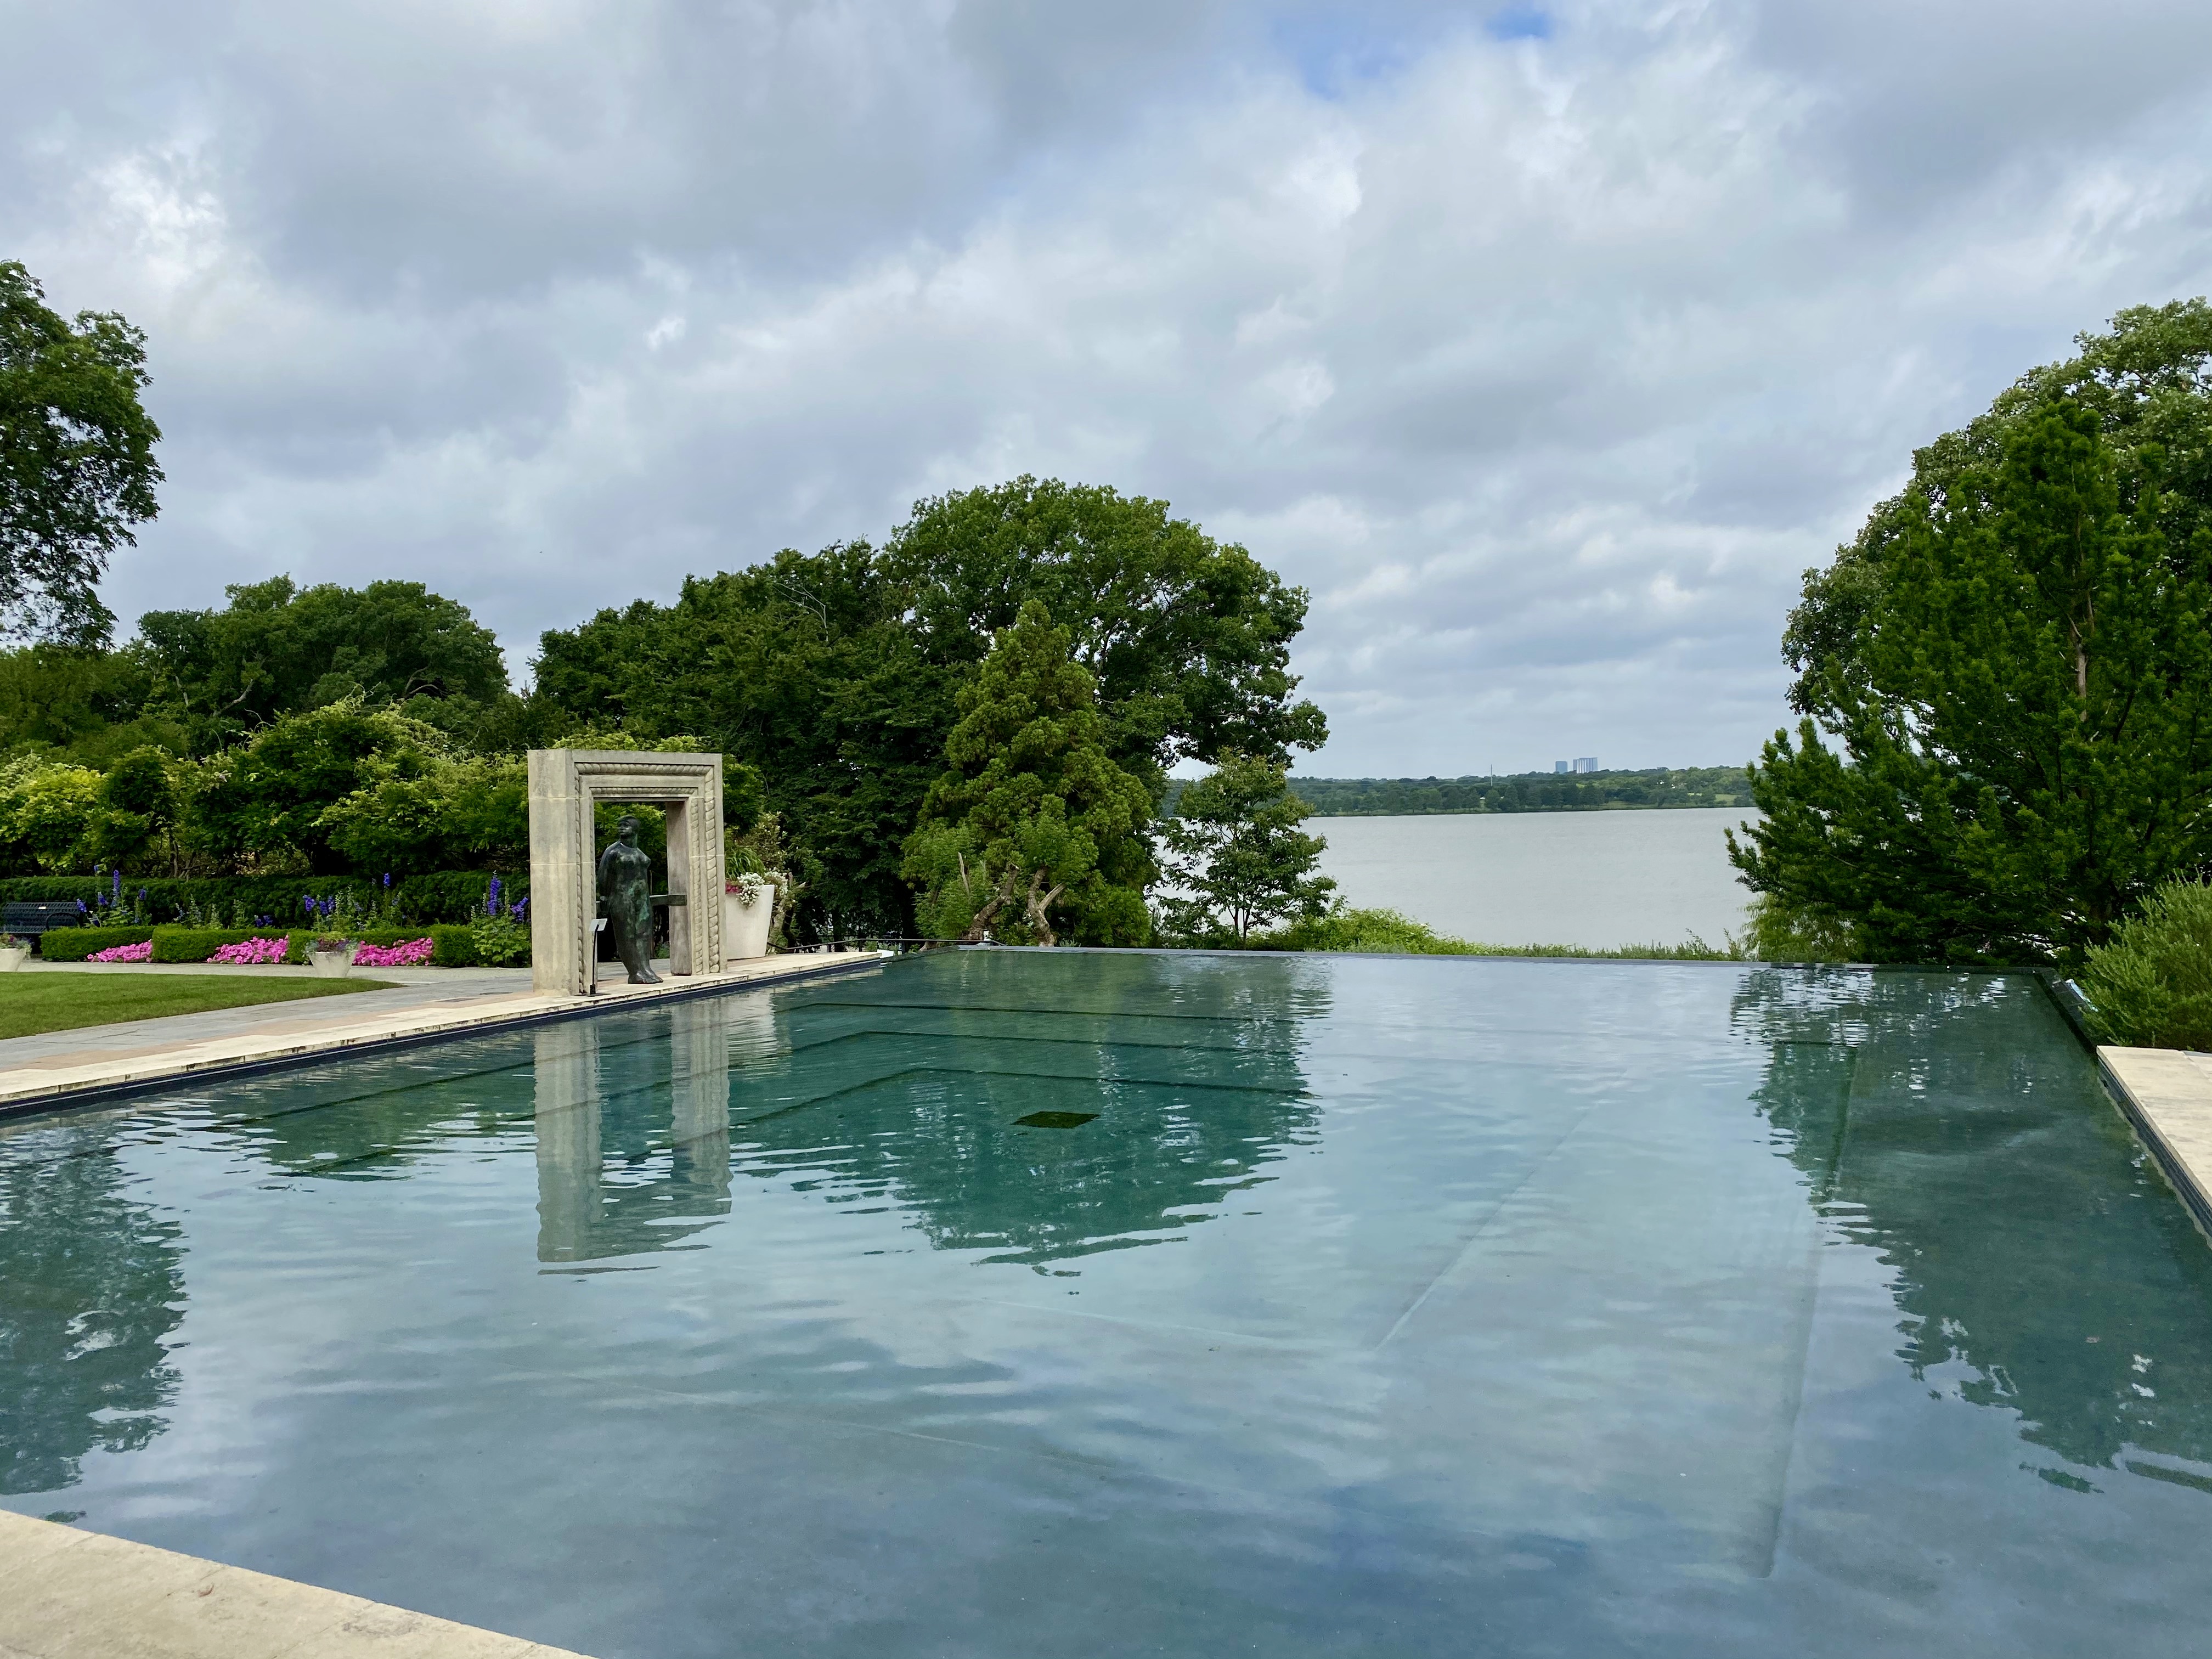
(805, 670)
(420, 810)
(1237, 852)
(76, 459)
(135, 821)
(1032, 814)
(836, 674)
(2025, 728)
(1189, 639)
(2147, 381)
(87, 704)
(268, 802)
(47, 810)
(277, 648)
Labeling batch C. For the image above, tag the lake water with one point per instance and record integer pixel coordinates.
(1597, 879)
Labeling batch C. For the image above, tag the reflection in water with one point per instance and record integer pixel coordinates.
(89, 1285)
(915, 1089)
(591, 1107)
(1979, 1156)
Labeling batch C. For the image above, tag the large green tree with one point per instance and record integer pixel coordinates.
(76, 459)
(1189, 639)
(1032, 830)
(277, 648)
(2018, 744)
(1236, 856)
(2147, 380)
(268, 804)
(836, 674)
(804, 669)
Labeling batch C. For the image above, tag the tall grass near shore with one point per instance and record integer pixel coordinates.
(1391, 932)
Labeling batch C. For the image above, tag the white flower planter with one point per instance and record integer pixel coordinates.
(745, 927)
(11, 957)
(334, 964)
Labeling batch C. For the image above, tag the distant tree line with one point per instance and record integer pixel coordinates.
(1525, 792)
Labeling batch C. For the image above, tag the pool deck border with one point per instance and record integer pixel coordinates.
(2166, 1094)
(101, 1080)
(65, 1593)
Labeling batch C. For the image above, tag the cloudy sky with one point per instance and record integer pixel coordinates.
(1545, 344)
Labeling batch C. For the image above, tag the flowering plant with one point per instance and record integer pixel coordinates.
(409, 953)
(746, 889)
(142, 951)
(331, 942)
(250, 953)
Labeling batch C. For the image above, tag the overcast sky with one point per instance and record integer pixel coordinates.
(1544, 345)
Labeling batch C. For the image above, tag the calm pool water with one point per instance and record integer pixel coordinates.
(1009, 1303)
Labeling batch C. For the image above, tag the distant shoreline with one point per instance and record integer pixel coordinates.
(1744, 804)
(1656, 788)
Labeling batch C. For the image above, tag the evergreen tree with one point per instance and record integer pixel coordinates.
(1237, 852)
(2025, 724)
(1032, 820)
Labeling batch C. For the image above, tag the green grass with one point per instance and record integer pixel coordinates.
(31, 1003)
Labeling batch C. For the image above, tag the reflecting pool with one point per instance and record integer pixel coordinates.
(1023, 1304)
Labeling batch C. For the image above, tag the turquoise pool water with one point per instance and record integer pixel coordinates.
(1025, 1305)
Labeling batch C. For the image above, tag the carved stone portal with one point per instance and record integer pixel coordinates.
(565, 784)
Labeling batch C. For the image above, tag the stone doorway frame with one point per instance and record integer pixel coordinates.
(565, 785)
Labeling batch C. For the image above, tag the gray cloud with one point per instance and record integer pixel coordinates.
(1545, 362)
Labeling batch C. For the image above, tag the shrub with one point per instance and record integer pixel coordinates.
(2151, 986)
(409, 953)
(1390, 932)
(456, 947)
(193, 944)
(251, 952)
(75, 943)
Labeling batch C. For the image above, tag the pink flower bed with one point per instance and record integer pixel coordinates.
(409, 953)
(253, 952)
(142, 952)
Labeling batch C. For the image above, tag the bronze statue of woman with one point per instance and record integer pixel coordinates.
(626, 900)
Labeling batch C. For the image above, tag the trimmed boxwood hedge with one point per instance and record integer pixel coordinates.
(198, 943)
(75, 943)
(454, 946)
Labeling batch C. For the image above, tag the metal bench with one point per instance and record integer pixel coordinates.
(29, 918)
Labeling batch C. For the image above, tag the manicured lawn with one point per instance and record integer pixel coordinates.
(31, 1003)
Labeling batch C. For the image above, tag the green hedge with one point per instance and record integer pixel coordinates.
(447, 896)
(195, 944)
(75, 943)
(455, 947)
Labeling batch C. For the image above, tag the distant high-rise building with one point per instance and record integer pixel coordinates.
(1586, 762)
(1559, 765)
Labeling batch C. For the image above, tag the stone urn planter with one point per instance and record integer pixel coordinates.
(748, 907)
(333, 958)
(12, 953)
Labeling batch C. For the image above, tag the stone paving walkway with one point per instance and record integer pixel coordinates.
(2167, 1094)
(36, 1071)
(65, 1593)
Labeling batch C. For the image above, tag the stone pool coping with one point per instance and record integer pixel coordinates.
(65, 1592)
(2167, 1093)
(92, 1074)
